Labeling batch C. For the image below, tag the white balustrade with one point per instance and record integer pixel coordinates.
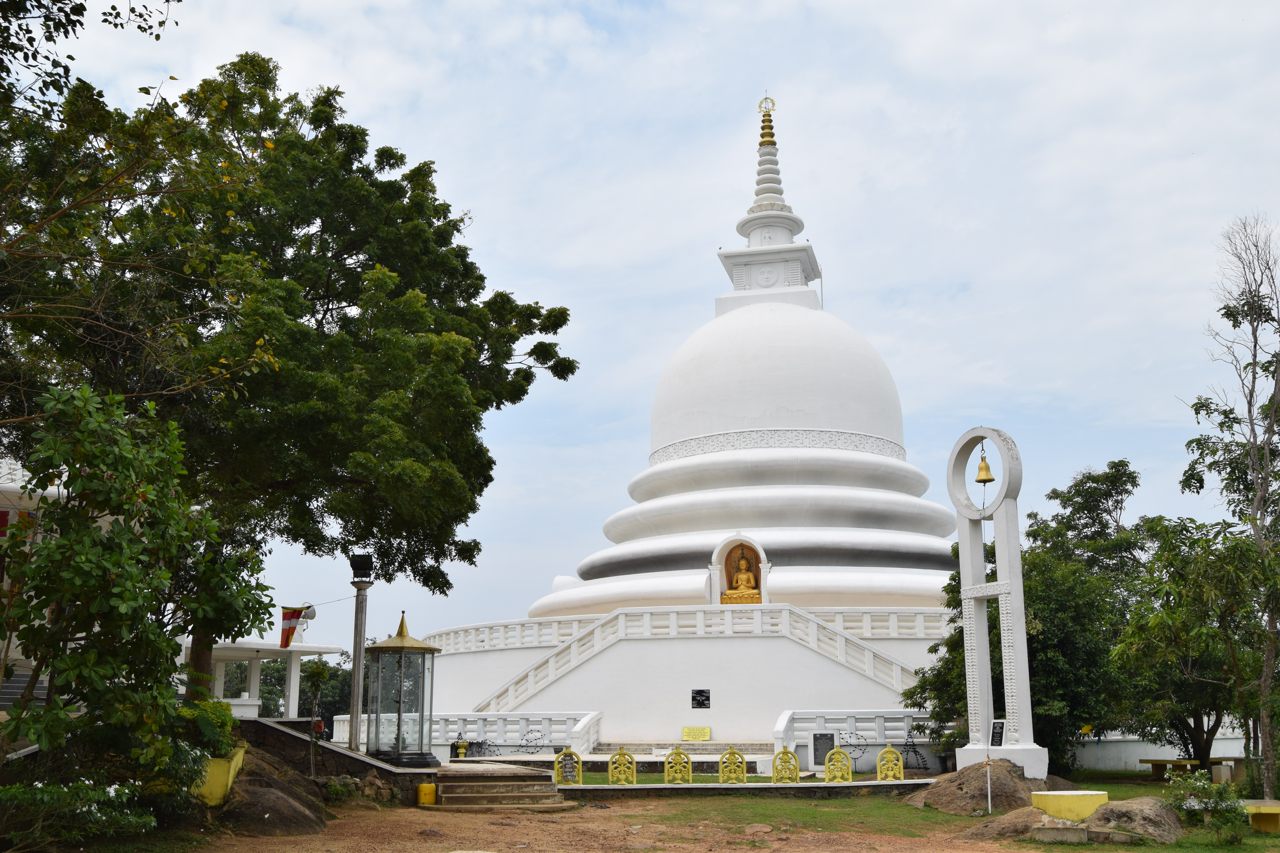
(866, 623)
(877, 727)
(506, 733)
(658, 623)
(524, 633)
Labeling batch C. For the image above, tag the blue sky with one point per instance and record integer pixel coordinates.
(1019, 204)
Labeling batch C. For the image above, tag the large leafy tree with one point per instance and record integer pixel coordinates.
(1241, 450)
(116, 568)
(1084, 548)
(296, 301)
(390, 346)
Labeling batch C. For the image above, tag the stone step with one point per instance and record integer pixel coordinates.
(452, 787)
(498, 798)
(466, 779)
(526, 807)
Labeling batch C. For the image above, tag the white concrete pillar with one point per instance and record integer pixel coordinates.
(219, 679)
(292, 674)
(255, 678)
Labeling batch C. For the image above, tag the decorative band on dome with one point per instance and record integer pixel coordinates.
(756, 439)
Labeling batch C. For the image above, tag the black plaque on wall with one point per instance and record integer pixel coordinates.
(702, 699)
(823, 742)
(997, 732)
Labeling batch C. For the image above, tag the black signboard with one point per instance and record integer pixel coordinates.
(997, 733)
(702, 699)
(823, 742)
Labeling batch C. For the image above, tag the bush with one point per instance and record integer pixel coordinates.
(37, 816)
(1196, 797)
(167, 792)
(208, 725)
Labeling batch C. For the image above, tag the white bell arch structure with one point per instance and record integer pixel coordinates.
(1015, 739)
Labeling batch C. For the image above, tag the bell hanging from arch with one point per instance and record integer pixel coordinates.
(984, 471)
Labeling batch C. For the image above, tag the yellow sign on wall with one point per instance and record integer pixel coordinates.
(690, 733)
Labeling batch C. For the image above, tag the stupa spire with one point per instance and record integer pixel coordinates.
(772, 266)
(769, 219)
(768, 176)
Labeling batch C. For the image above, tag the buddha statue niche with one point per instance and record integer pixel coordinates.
(743, 588)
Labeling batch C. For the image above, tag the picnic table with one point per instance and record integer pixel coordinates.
(1159, 766)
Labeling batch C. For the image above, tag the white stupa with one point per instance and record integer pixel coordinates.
(778, 579)
(779, 423)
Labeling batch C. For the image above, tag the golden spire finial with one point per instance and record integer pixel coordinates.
(404, 626)
(766, 106)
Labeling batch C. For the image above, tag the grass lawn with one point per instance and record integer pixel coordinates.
(875, 814)
(1119, 785)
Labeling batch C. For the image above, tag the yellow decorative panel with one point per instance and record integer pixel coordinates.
(733, 767)
(677, 768)
(786, 767)
(622, 768)
(889, 765)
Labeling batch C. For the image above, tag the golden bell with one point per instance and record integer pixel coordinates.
(984, 472)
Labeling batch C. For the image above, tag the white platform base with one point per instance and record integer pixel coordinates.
(1034, 760)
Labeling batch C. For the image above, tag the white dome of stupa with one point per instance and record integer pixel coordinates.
(774, 424)
(771, 367)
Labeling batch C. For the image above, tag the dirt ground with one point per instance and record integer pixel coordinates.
(623, 825)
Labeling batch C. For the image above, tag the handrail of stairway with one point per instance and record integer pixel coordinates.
(545, 631)
(791, 622)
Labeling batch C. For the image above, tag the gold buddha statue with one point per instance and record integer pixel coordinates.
(744, 584)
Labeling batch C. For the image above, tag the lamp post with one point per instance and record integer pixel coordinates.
(361, 579)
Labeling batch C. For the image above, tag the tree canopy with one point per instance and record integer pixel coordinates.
(296, 300)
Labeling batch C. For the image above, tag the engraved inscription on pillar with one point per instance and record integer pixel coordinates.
(1010, 672)
(973, 689)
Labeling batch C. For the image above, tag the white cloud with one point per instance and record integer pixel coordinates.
(1018, 203)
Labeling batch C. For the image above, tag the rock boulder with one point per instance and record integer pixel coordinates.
(270, 798)
(1146, 816)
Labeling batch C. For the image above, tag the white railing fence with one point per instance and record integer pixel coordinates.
(886, 623)
(866, 730)
(865, 623)
(500, 734)
(655, 623)
(524, 633)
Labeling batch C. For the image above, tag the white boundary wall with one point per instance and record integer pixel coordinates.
(1122, 752)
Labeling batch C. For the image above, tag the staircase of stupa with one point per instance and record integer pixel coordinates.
(683, 623)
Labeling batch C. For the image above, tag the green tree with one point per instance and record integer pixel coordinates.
(1087, 549)
(115, 570)
(1242, 450)
(1188, 649)
(296, 301)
